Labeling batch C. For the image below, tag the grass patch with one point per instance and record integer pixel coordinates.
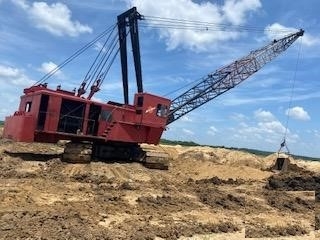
(182, 143)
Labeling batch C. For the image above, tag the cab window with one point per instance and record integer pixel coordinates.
(28, 107)
(162, 110)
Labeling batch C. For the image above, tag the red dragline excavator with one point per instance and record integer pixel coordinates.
(115, 130)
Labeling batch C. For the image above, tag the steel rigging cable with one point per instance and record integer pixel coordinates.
(74, 55)
(160, 22)
(88, 75)
(98, 66)
(95, 71)
(283, 143)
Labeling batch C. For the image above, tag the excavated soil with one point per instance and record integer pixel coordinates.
(207, 193)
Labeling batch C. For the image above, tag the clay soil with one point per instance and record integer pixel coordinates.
(207, 193)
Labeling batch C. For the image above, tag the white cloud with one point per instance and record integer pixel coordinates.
(187, 131)
(21, 3)
(98, 46)
(97, 99)
(212, 130)
(259, 96)
(235, 11)
(238, 117)
(203, 37)
(14, 76)
(277, 30)
(316, 133)
(13, 81)
(47, 67)
(270, 132)
(111, 86)
(54, 18)
(298, 113)
(8, 72)
(243, 125)
(263, 116)
(186, 119)
(266, 132)
(274, 127)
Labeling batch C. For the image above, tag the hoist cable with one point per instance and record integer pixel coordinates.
(185, 27)
(101, 70)
(109, 66)
(160, 22)
(97, 57)
(292, 91)
(182, 24)
(191, 22)
(184, 86)
(97, 69)
(74, 55)
(111, 62)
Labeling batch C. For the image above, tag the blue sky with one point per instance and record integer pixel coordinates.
(35, 36)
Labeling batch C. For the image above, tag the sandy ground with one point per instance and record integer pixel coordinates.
(207, 193)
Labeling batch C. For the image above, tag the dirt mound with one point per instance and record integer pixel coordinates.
(206, 191)
(189, 229)
(200, 154)
(91, 178)
(292, 181)
(223, 200)
(7, 167)
(285, 201)
(317, 222)
(217, 181)
(205, 162)
(296, 178)
(274, 231)
(165, 203)
(220, 156)
(47, 225)
(210, 195)
(175, 231)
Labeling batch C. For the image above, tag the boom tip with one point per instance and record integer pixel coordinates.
(300, 33)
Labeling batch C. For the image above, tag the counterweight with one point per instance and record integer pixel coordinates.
(228, 77)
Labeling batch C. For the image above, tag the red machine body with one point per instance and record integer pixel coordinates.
(47, 115)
